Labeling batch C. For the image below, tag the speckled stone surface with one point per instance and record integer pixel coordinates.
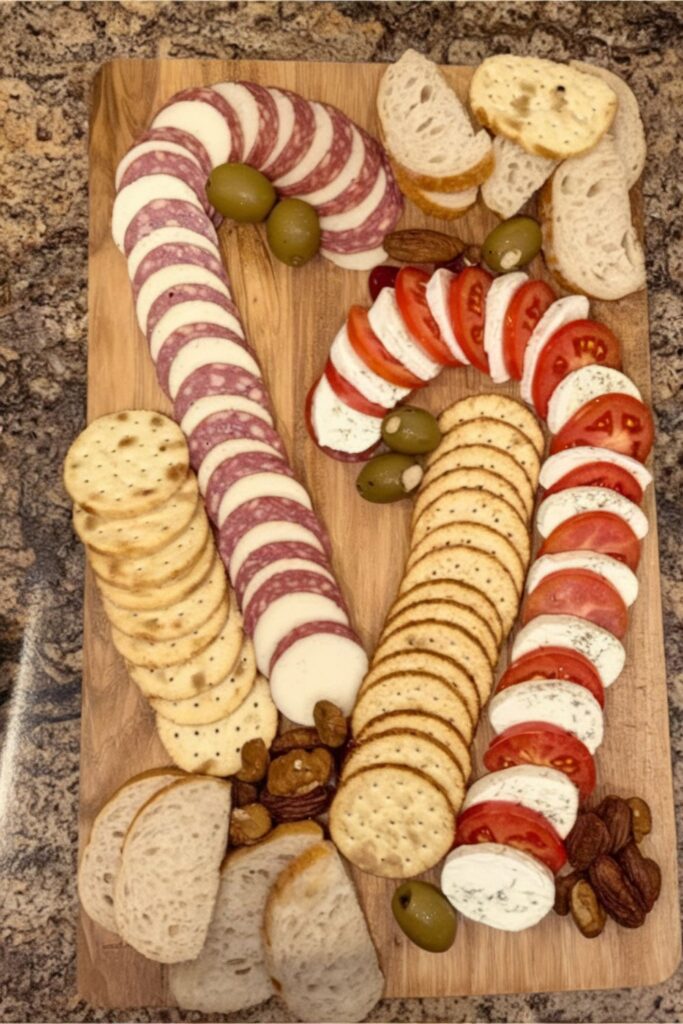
(48, 56)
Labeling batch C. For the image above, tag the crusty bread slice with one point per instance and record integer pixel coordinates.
(627, 126)
(550, 109)
(516, 176)
(102, 856)
(589, 241)
(167, 884)
(230, 973)
(427, 130)
(317, 944)
(448, 205)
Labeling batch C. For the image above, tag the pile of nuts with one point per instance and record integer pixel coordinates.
(292, 781)
(611, 876)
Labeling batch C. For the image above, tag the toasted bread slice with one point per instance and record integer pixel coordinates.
(448, 205)
(516, 176)
(627, 127)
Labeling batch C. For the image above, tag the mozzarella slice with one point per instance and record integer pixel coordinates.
(624, 581)
(498, 886)
(281, 565)
(166, 279)
(386, 321)
(322, 666)
(285, 614)
(152, 146)
(261, 485)
(437, 292)
(268, 533)
(546, 790)
(358, 214)
(336, 425)
(373, 387)
(555, 701)
(209, 404)
(200, 352)
(204, 122)
(171, 235)
(498, 298)
(557, 508)
(561, 312)
(131, 199)
(602, 649)
(366, 259)
(321, 142)
(285, 123)
(347, 174)
(557, 466)
(194, 311)
(246, 108)
(227, 450)
(582, 386)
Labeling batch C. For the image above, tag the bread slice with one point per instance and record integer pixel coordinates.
(167, 884)
(427, 130)
(230, 973)
(447, 205)
(102, 856)
(516, 176)
(317, 944)
(550, 109)
(627, 127)
(589, 241)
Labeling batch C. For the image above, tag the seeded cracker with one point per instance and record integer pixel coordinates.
(472, 535)
(153, 598)
(450, 612)
(429, 725)
(481, 479)
(436, 664)
(483, 456)
(214, 702)
(496, 434)
(468, 505)
(150, 654)
(412, 691)
(495, 407)
(452, 590)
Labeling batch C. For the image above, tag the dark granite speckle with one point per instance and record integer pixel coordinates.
(49, 55)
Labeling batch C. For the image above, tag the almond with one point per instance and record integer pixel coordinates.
(420, 245)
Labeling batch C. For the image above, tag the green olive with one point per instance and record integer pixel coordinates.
(388, 477)
(425, 915)
(512, 245)
(293, 231)
(241, 193)
(410, 430)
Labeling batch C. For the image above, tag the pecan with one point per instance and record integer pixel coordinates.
(616, 814)
(243, 793)
(331, 725)
(299, 771)
(641, 817)
(587, 912)
(563, 890)
(420, 245)
(642, 872)
(296, 808)
(302, 738)
(589, 838)
(618, 896)
(248, 824)
(254, 761)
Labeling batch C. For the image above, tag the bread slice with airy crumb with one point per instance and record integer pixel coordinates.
(426, 129)
(230, 973)
(589, 241)
(516, 176)
(317, 944)
(447, 204)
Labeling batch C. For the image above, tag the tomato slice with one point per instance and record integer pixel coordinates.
(332, 452)
(576, 344)
(500, 821)
(619, 422)
(411, 287)
(370, 349)
(578, 592)
(601, 474)
(348, 393)
(525, 310)
(546, 745)
(554, 663)
(467, 306)
(604, 532)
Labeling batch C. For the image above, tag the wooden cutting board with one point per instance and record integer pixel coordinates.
(291, 317)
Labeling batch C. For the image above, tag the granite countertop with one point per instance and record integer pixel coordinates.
(50, 54)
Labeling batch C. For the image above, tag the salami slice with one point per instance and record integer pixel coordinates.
(297, 582)
(221, 403)
(160, 161)
(273, 554)
(168, 236)
(270, 532)
(131, 199)
(332, 159)
(354, 182)
(301, 137)
(267, 510)
(313, 629)
(177, 253)
(267, 135)
(180, 293)
(218, 379)
(204, 114)
(190, 313)
(174, 136)
(222, 426)
(232, 470)
(384, 207)
(200, 352)
(181, 337)
(257, 114)
(167, 213)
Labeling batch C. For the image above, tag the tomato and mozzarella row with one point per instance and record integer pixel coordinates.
(589, 466)
(582, 386)
(619, 575)
(544, 790)
(437, 294)
(600, 647)
(562, 312)
(498, 298)
(557, 508)
(543, 744)
(555, 701)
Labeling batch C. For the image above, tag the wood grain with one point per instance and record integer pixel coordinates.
(291, 318)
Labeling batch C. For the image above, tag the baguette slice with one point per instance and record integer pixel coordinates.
(627, 127)
(230, 973)
(102, 856)
(549, 109)
(167, 885)
(516, 176)
(447, 205)
(317, 944)
(426, 129)
(589, 241)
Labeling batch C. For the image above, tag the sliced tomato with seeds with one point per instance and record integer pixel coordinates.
(618, 422)
(501, 821)
(372, 352)
(526, 308)
(411, 297)
(604, 532)
(345, 390)
(578, 592)
(554, 663)
(332, 452)
(467, 307)
(578, 343)
(545, 745)
(601, 474)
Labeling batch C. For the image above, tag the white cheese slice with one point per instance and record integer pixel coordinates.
(624, 581)
(436, 293)
(582, 386)
(561, 312)
(371, 386)
(209, 404)
(246, 108)
(131, 199)
(204, 122)
(152, 146)
(194, 311)
(281, 565)
(498, 886)
(317, 667)
(171, 235)
(601, 648)
(498, 298)
(557, 466)
(227, 450)
(358, 214)
(268, 533)
(336, 425)
(285, 123)
(386, 321)
(169, 277)
(348, 173)
(200, 352)
(556, 701)
(285, 614)
(546, 790)
(365, 259)
(557, 508)
(321, 142)
(261, 485)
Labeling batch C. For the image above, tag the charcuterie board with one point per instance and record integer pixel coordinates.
(291, 316)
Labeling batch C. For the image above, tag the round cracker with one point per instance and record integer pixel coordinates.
(447, 611)
(496, 434)
(495, 407)
(452, 590)
(481, 479)
(431, 725)
(412, 691)
(392, 821)
(162, 654)
(473, 535)
(214, 702)
(153, 598)
(406, 659)
(485, 456)
(126, 463)
(469, 505)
